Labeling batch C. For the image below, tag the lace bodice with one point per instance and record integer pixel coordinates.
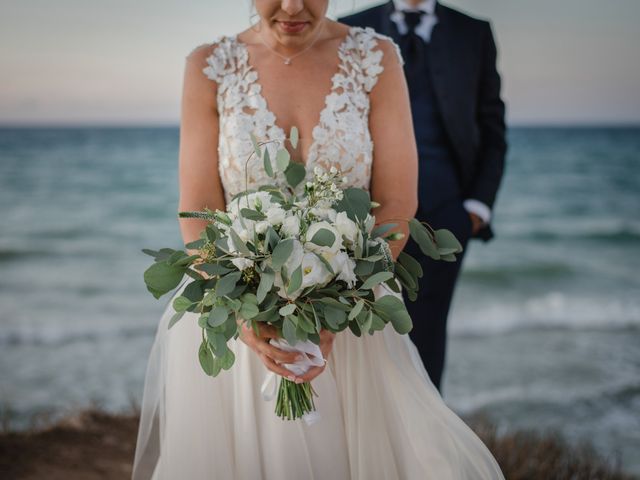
(341, 138)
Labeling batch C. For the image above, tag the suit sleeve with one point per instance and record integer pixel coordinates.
(491, 122)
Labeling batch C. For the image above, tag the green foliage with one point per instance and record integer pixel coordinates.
(355, 202)
(161, 278)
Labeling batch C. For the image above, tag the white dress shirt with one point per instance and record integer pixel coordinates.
(424, 29)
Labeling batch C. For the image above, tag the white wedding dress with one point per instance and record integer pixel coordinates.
(381, 417)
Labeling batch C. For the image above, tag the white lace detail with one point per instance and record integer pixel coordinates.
(341, 138)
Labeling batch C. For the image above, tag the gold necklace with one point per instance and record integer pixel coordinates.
(287, 60)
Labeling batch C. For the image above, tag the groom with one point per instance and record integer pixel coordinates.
(458, 117)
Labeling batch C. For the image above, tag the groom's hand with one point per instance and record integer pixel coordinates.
(476, 223)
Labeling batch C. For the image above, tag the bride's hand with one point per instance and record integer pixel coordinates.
(326, 345)
(271, 356)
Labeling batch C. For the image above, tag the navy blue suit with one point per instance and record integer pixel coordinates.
(458, 119)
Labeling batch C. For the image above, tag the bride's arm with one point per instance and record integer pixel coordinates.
(199, 180)
(394, 178)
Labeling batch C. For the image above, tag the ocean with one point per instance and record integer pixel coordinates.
(545, 325)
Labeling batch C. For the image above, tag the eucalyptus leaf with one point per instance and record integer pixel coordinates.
(218, 316)
(174, 319)
(206, 358)
(249, 310)
(226, 360)
(295, 174)
(356, 309)
(447, 240)
(180, 304)
(250, 214)
(161, 278)
(289, 331)
(288, 309)
(281, 253)
(423, 238)
(411, 264)
(238, 243)
(213, 268)
(227, 284)
(282, 159)
(254, 142)
(295, 282)
(380, 230)
(375, 279)
(293, 137)
(266, 161)
(324, 238)
(266, 283)
(355, 203)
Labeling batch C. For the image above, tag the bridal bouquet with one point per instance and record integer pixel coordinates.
(301, 257)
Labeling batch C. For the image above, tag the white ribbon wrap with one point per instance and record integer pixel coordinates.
(311, 357)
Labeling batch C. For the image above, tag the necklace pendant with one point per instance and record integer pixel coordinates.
(287, 61)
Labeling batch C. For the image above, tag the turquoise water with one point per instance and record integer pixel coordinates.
(545, 326)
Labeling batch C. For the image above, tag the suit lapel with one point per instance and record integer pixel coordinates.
(443, 76)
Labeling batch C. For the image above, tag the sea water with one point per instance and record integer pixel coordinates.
(544, 328)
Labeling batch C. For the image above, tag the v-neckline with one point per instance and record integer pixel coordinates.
(281, 132)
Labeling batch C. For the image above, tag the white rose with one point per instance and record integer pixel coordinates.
(324, 213)
(291, 226)
(346, 227)
(314, 228)
(343, 266)
(275, 215)
(313, 271)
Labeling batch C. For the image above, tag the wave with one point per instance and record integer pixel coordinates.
(552, 311)
(612, 393)
(60, 336)
(614, 230)
(14, 254)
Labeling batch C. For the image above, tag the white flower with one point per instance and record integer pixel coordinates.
(346, 227)
(254, 201)
(324, 213)
(242, 263)
(343, 266)
(291, 226)
(313, 271)
(275, 215)
(313, 229)
(262, 226)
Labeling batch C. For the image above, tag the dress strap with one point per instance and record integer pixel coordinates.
(222, 61)
(370, 55)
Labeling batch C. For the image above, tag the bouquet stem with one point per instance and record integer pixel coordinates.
(294, 399)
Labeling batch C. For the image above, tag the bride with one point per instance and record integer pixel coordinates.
(382, 418)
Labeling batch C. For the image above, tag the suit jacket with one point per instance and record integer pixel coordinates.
(467, 88)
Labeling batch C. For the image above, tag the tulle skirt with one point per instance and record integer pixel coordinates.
(381, 417)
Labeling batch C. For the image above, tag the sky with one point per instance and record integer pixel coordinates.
(121, 61)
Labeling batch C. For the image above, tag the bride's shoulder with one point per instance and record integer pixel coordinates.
(214, 58)
(378, 45)
(375, 53)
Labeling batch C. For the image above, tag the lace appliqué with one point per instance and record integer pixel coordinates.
(341, 138)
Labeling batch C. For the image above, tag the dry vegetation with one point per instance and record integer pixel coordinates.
(97, 445)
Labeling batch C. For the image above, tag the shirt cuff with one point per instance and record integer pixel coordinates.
(479, 208)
